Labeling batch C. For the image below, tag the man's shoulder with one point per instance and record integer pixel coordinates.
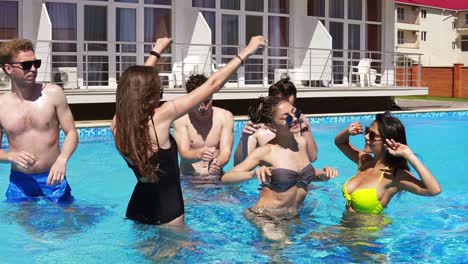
(5, 98)
(181, 120)
(222, 112)
(51, 89)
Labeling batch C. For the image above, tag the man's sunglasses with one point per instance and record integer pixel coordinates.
(289, 118)
(372, 134)
(27, 65)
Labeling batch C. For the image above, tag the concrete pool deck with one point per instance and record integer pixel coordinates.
(407, 106)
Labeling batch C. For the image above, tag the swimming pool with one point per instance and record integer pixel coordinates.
(94, 229)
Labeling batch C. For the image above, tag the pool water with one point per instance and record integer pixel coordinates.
(94, 229)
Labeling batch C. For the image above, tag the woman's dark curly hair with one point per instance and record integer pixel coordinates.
(261, 110)
(391, 127)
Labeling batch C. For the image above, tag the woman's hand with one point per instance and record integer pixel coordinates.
(355, 129)
(255, 43)
(250, 128)
(327, 173)
(263, 173)
(397, 149)
(161, 44)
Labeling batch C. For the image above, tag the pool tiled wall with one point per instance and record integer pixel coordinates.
(100, 133)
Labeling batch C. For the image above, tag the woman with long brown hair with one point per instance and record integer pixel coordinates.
(141, 131)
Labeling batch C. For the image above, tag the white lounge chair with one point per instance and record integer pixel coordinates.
(192, 64)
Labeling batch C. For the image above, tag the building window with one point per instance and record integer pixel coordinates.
(401, 37)
(8, 19)
(466, 19)
(423, 13)
(400, 13)
(336, 8)
(454, 45)
(254, 5)
(204, 3)
(374, 10)
(278, 35)
(156, 2)
(454, 24)
(354, 38)
(423, 35)
(464, 43)
(316, 8)
(278, 6)
(337, 33)
(230, 4)
(374, 37)
(355, 9)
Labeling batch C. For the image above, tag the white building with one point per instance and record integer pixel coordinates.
(437, 29)
(85, 45)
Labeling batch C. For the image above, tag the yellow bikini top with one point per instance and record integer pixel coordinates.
(364, 200)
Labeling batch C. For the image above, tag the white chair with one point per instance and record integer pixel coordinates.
(362, 71)
(373, 77)
(191, 65)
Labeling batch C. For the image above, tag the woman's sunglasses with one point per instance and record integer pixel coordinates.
(27, 65)
(372, 134)
(289, 118)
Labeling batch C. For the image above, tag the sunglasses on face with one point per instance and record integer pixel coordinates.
(27, 65)
(289, 118)
(372, 134)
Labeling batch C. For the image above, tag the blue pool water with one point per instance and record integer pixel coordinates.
(94, 230)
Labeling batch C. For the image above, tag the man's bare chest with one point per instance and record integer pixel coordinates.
(204, 136)
(17, 119)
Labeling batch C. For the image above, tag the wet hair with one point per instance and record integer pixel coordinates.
(195, 81)
(138, 94)
(391, 127)
(283, 88)
(261, 110)
(12, 48)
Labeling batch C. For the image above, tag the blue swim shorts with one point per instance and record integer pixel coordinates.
(25, 187)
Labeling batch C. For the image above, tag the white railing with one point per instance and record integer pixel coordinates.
(99, 65)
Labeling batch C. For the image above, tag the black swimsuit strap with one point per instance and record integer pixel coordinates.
(156, 134)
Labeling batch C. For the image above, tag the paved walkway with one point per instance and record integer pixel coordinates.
(426, 105)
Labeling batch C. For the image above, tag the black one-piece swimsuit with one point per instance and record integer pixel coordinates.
(159, 202)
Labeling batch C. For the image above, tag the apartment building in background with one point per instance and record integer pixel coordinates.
(435, 28)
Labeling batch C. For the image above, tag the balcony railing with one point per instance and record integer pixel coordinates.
(462, 24)
(99, 65)
(408, 18)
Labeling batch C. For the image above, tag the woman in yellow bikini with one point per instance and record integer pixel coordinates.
(383, 169)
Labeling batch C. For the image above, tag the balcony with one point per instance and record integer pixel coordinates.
(462, 25)
(89, 71)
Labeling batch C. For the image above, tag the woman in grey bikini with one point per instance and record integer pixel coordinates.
(285, 168)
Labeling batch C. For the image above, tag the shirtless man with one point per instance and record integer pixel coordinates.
(31, 116)
(256, 135)
(204, 137)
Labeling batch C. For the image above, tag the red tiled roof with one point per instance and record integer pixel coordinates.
(458, 5)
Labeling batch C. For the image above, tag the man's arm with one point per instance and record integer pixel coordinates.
(67, 123)
(183, 142)
(227, 139)
(3, 153)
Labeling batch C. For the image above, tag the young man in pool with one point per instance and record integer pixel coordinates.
(31, 115)
(204, 137)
